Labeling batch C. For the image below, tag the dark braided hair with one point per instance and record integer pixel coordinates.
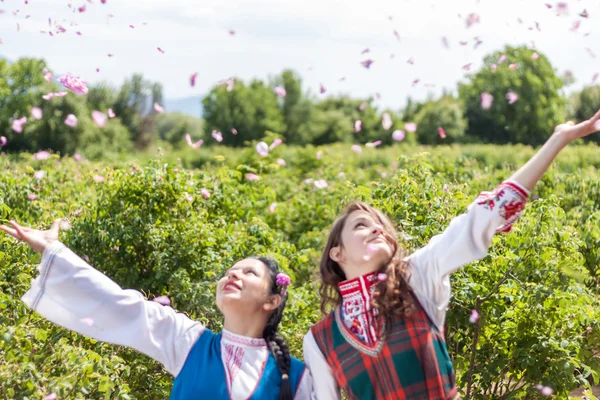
(275, 342)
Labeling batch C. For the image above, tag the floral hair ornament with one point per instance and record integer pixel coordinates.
(283, 280)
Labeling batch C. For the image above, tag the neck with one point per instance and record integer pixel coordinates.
(245, 324)
(353, 272)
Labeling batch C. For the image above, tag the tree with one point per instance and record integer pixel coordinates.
(249, 109)
(445, 113)
(584, 104)
(532, 118)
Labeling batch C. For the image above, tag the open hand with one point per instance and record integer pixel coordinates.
(38, 240)
(571, 131)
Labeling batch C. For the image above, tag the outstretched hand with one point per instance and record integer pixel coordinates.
(36, 239)
(571, 131)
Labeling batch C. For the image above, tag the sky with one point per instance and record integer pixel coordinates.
(322, 40)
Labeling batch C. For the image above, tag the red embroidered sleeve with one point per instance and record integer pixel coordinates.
(508, 199)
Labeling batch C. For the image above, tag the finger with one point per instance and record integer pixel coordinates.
(55, 229)
(10, 231)
(19, 229)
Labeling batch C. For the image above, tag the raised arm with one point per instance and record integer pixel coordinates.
(74, 295)
(469, 235)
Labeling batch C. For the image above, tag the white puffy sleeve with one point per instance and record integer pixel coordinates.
(466, 239)
(325, 386)
(76, 296)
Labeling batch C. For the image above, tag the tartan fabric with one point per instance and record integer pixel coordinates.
(410, 360)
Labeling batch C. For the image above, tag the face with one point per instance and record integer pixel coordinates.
(363, 244)
(245, 285)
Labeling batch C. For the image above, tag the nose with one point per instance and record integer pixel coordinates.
(233, 274)
(377, 230)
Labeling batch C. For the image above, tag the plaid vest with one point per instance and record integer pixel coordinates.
(409, 361)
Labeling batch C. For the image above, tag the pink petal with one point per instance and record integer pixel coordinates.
(386, 121)
(357, 125)
(32, 196)
(562, 8)
(511, 97)
(467, 67)
(501, 59)
(77, 157)
(411, 60)
(160, 50)
(575, 26)
(597, 126)
(321, 184)
(218, 136)
(111, 113)
(188, 140)
(262, 149)
(546, 391)
(98, 178)
(366, 64)
(356, 148)
(281, 162)
(272, 207)
(445, 42)
(39, 174)
(17, 124)
(99, 118)
(362, 106)
(189, 197)
(231, 32)
(36, 113)
(397, 35)
(322, 89)
(3, 141)
(205, 193)
(71, 120)
(472, 18)
(584, 14)
(87, 321)
(47, 75)
(158, 108)
(280, 91)
(535, 56)
(74, 84)
(275, 143)
(410, 127)
(494, 67)
(474, 316)
(442, 132)
(596, 75)
(51, 396)
(41, 155)
(234, 131)
(193, 79)
(252, 177)
(486, 100)
(373, 144)
(398, 135)
(365, 51)
(319, 155)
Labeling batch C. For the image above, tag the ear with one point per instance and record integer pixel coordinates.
(335, 253)
(272, 302)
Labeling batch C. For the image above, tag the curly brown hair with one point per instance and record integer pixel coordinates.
(390, 296)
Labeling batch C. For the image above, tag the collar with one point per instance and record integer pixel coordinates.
(240, 340)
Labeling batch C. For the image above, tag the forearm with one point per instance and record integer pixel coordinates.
(530, 173)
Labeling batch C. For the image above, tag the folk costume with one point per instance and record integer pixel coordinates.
(223, 366)
(406, 358)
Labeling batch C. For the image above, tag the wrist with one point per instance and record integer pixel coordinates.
(560, 138)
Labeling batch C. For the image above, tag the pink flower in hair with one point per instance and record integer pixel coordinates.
(283, 280)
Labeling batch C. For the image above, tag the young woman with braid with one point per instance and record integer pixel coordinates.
(385, 338)
(248, 360)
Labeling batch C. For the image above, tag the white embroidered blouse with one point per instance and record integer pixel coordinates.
(466, 239)
(76, 296)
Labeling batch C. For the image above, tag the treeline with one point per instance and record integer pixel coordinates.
(516, 97)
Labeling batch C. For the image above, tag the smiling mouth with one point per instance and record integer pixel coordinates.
(231, 285)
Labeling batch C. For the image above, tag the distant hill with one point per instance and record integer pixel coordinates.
(187, 105)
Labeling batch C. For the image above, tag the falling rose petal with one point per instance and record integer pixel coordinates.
(111, 113)
(32, 196)
(382, 277)
(218, 136)
(160, 50)
(415, 82)
(87, 321)
(37, 113)
(591, 52)
(47, 75)
(366, 64)
(494, 67)
(546, 391)
(322, 89)
(99, 118)
(234, 131)
(17, 124)
(280, 91)
(535, 56)
(365, 51)
(386, 121)
(81, 9)
(411, 60)
(188, 140)
(281, 162)
(39, 174)
(513, 66)
(549, 6)
(442, 132)
(77, 157)
(472, 18)
(486, 100)
(98, 178)
(474, 316)
(51, 396)
(589, 329)
(398, 135)
(309, 181)
(463, 43)
(262, 149)
(377, 95)
(74, 84)
(193, 79)
(272, 207)
(3, 141)
(132, 27)
(71, 120)
(584, 14)
(275, 143)
(445, 42)
(231, 32)
(158, 108)
(467, 67)
(410, 127)
(41, 155)
(562, 8)
(356, 148)
(189, 198)
(362, 106)
(252, 177)
(357, 125)
(97, 69)
(575, 26)
(110, 54)
(596, 75)
(205, 193)
(512, 97)
(501, 59)
(373, 144)
(319, 155)
(397, 35)
(321, 184)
